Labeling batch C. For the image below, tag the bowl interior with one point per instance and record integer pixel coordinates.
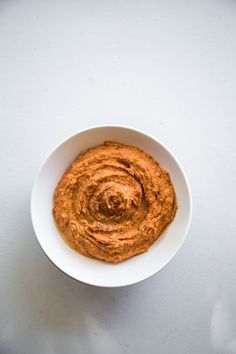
(89, 270)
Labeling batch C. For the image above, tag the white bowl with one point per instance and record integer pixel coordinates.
(92, 271)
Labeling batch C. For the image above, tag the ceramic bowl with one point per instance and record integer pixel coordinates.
(92, 271)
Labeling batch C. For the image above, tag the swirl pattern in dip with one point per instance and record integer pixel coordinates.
(113, 202)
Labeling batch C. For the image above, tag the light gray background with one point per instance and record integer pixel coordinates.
(169, 68)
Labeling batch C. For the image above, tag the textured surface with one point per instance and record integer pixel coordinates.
(113, 202)
(166, 67)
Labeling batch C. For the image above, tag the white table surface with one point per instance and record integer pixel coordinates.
(169, 68)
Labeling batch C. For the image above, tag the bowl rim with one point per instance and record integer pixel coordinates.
(127, 127)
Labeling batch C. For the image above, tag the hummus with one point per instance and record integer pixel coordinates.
(113, 202)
